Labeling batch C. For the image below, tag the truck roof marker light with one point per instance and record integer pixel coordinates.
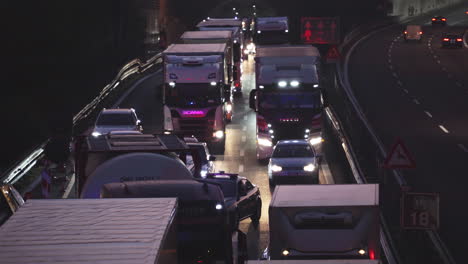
(294, 83)
(459, 39)
(285, 252)
(219, 206)
(446, 39)
(172, 84)
(208, 18)
(271, 131)
(282, 84)
(235, 41)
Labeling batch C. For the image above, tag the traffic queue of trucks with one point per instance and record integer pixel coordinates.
(199, 226)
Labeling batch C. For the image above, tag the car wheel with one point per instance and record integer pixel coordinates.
(258, 214)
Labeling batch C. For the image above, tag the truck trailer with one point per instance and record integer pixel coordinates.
(288, 97)
(196, 91)
(339, 221)
(91, 231)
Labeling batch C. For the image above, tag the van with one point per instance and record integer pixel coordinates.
(413, 32)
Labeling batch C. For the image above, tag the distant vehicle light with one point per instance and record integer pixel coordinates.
(285, 252)
(306, 136)
(444, 19)
(276, 168)
(307, 130)
(362, 252)
(218, 134)
(259, 31)
(315, 141)
(265, 142)
(219, 206)
(261, 86)
(282, 84)
(406, 32)
(316, 85)
(446, 39)
(172, 84)
(208, 18)
(309, 167)
(433, 19)
(420, 32)
(459, 39)
(213, 83)
(294, 83)
(96, 134)
(286, 30)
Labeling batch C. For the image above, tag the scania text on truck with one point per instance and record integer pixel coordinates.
(288, 98)
(332, 221)
(271, 30)
(196, 91)
(235, 26)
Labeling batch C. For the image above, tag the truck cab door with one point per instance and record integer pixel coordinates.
(253, 100)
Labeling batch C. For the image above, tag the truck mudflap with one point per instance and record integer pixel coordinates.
(168, 126)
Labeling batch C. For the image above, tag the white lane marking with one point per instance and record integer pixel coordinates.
(244, 138)
(443, 129)
(416, 101)
(428, 114)
(241, 168)
(400, 83)
(242, 153)
(406, 91)
(463, 148)
(390, 67)
(245, 118)
(244, 128)
(395, 75)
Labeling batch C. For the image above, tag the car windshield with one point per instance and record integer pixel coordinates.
(290, 100)
(115, 119)
(293, 151)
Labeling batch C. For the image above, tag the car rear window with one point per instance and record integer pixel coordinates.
(120, 119)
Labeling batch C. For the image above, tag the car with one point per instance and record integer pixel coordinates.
(293, 162)
(207, 160)
(439, 20)
(121, 119)
(452, 40)
(10, 201)
(413, 32)
(241, 197)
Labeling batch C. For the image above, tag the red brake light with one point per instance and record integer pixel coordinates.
(262, 124)
(459, 39)
(371, 254)
(446, 39)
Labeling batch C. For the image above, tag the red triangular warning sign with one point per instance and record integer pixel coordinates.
(333, 53)
(399, 157)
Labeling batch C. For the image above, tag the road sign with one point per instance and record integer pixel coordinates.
(320, 30)
(419, 211)
(333, 55)
(399, 157)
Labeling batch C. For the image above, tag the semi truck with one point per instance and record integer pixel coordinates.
(122, 158)
(235, 26)
(288, 97)
(196, 91)
(271, 30)
(339, 221)
(91, 231)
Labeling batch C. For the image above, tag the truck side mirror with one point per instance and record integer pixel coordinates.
(252, 98)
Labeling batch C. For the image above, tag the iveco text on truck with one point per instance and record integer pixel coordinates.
(288, 97)
(196, 91)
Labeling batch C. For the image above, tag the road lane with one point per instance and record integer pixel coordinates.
(410, 92)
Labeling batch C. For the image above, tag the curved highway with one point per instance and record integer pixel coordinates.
(419, 92)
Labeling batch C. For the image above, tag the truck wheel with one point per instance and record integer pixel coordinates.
(257, 215)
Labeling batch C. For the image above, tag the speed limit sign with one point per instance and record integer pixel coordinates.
(419, 211)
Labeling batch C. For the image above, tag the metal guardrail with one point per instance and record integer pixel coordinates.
(20, 168)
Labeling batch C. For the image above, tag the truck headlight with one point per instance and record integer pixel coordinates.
(315, 141)
(213, 83)
(219, 206)
(309, 167)
(285, 252)
(276, 168)
(316, 85)
(96, 134)
(172, 84)
(218, 134)
(265, 142)
(294, 83)
(282, 84)
(362, 252)
(259, 31)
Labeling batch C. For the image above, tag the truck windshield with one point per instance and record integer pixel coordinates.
(193, 95)
(290, 100)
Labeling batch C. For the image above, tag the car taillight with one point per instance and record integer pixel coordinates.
(420, 32)
(459, 39)
(237, 84)
(446, 39)
(371, 254)
(262, 124)
(406, 32)
(433, 19)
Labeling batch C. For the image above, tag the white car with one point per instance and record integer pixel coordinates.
(109, 120)
(293, 162)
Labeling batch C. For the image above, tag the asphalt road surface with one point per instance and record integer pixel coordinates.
(418, 92)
